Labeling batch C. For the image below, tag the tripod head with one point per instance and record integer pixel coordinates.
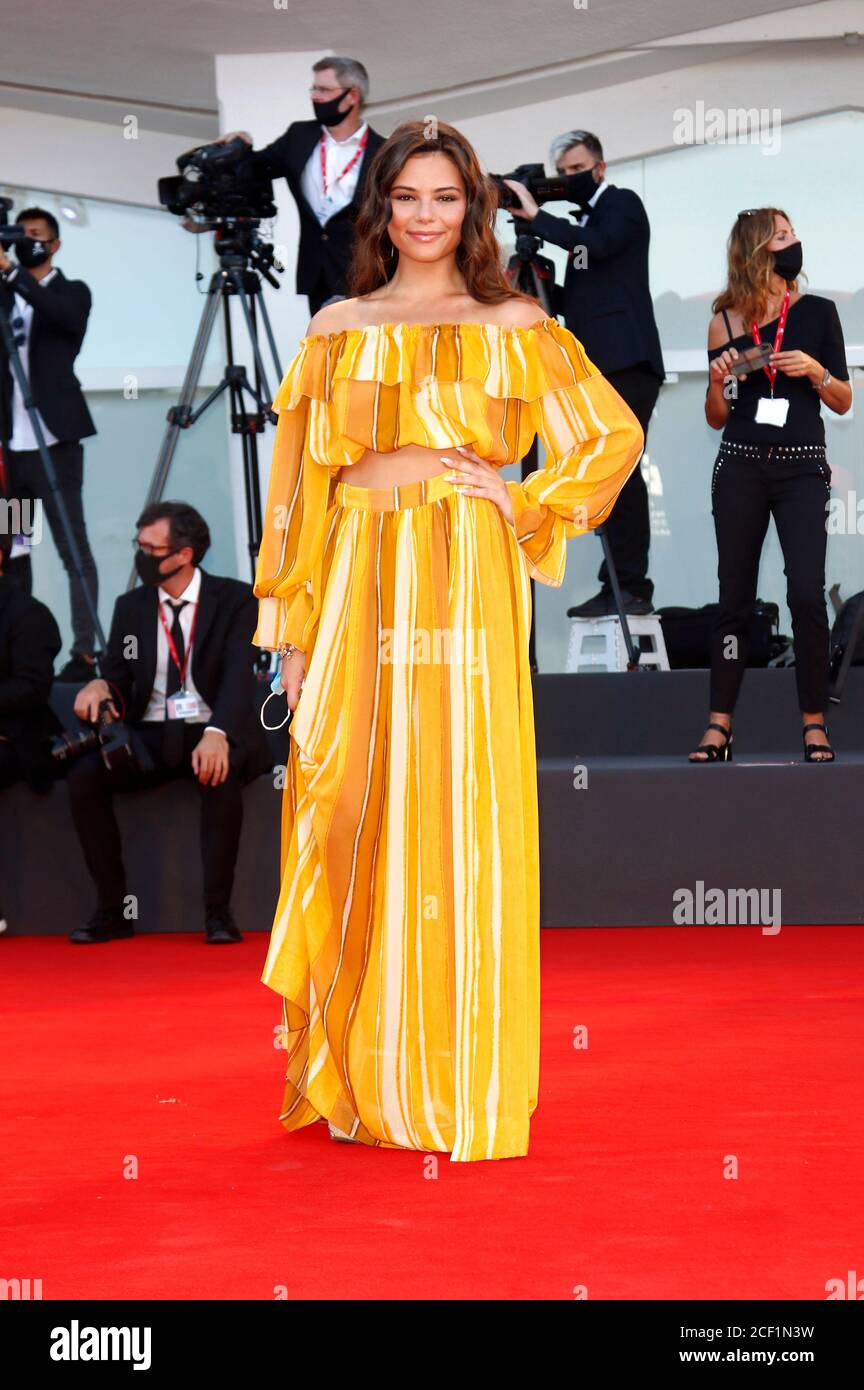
(239, 247)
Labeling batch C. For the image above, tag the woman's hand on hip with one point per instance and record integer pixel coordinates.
(293, 672)
(476, 478)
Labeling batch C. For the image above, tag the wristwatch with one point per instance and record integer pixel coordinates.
(824, 382)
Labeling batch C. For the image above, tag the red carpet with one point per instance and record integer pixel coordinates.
(703, 1043)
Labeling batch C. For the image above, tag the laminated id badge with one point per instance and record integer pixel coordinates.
(182, 705)
(772, 411)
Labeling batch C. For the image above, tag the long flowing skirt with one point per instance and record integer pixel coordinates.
(406, 937)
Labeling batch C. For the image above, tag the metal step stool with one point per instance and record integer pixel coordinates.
(597, 644)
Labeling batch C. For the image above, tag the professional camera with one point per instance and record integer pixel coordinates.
(114, 739)
(539, 185)
(11, 232)
(216, 183)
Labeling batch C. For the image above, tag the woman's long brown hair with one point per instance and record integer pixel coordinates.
(375, 258)
(750, 265)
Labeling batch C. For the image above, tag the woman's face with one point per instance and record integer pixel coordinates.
(784, 234)
(427, 206)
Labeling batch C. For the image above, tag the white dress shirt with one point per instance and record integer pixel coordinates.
(156, 705)
(23, 435)
(340, 191)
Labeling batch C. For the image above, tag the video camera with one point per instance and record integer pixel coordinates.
(220, 190)
(542, 188)
(12, 232)
(218, 183)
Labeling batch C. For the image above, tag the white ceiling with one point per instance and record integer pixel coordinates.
(158, 54)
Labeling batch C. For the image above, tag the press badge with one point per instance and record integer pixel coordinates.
(772, 411)
(183, 705)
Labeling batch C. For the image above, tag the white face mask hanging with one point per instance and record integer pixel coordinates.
(276, 689)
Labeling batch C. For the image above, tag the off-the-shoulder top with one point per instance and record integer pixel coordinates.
(437, 385)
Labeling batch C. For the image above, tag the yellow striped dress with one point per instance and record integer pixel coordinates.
(405, 944)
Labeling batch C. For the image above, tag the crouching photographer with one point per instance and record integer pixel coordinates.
(178, 672)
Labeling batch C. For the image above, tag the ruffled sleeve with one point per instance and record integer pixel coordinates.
(592, 441)
(288, 573)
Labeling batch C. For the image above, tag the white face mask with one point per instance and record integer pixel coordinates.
(276, 689)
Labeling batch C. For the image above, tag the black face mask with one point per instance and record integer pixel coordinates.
(327, 112)
(31, 252)
(582, 187)
(148, 568)
(788, 261)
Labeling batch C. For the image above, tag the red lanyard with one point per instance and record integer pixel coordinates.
(771, 372)
(172, 646)
(351, 162)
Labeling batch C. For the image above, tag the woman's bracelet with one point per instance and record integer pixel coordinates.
(287, 649)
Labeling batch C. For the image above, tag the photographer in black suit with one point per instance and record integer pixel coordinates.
(179, 670)
(606, 303)
(325, 162)
(48, 314)
(29, 642)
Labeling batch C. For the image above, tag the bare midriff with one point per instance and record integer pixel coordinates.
(406, 465)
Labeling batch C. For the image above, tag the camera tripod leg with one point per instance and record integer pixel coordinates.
(633, 652)
(53, 481)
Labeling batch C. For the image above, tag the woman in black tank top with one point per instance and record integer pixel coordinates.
(771, 462)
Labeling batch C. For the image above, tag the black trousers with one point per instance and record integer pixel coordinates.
(749, 485)
(629, 526)
(91, 793)
(27, 480)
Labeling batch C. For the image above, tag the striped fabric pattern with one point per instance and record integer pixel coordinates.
(438, 385)
(405, 943)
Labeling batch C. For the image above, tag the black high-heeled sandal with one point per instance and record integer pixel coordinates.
(715, 752)
(811, 749)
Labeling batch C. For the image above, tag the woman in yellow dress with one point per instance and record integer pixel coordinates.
(393, 575)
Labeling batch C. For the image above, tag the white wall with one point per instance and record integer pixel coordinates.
(95, 159)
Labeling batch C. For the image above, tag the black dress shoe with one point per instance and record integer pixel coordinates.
(77, 669)
(220, 927)
(602, 605)
(636, 607)
(104, 925)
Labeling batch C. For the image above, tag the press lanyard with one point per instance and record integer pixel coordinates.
(771, 372)
(351, 162)
(172, 646)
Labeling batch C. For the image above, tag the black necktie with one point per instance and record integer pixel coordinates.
(172, 738)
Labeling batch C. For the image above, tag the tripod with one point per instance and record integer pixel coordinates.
(17, 366)
(234, 278)
(535, 274)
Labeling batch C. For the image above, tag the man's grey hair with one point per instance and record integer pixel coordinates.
(562, 143)
(350, 72)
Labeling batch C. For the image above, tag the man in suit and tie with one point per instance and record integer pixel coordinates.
(179, 670)
(48, 316)
(325, 162)
(607, 305)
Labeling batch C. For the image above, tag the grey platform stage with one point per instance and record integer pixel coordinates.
(640, 825)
